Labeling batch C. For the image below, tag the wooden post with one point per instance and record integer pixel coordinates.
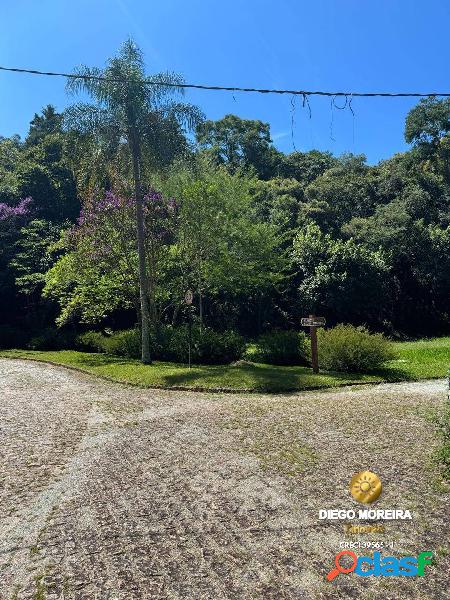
(314, 352)
(313, 323)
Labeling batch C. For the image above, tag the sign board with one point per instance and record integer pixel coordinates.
(188, 297)
(313, 321)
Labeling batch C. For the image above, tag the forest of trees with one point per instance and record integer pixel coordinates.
(262, 238)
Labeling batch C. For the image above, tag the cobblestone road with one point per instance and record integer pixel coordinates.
(114, 493)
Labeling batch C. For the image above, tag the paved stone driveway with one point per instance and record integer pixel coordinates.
(111, 492)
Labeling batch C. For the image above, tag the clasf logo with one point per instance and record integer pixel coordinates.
(378, 566)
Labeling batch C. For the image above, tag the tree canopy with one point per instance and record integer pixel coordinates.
(260, 237)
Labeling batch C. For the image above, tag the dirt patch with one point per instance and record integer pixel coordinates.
(110, 492)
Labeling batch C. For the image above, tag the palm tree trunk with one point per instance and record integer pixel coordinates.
(143, 278)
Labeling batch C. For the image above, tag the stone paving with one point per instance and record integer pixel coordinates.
(109, 492)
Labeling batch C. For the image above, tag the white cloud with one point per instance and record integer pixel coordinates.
(280, 135)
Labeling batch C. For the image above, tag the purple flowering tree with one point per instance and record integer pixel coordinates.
(104, 256)
(22, 209)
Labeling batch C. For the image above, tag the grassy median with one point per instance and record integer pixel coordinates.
(416, 360)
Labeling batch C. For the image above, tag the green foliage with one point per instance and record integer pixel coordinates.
(280, 348)
(42, 173)
(41, 126)
(52, 338)
(305, 167)
(120, 343)
(221, 250)
(353, 349)
(348, 189)
(428, 121)
(33, 256)
(124, 343)
(87, 290)
(10, 156)
(343, 279)
(169, 343)
(207, 346)
(239, 144)
(278, 202)
(428, 128)
(91, 341)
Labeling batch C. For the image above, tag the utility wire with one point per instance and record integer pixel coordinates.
(303, 93)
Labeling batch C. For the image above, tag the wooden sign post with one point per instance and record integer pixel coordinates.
(313, 323)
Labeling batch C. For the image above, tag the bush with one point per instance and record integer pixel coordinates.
(280, 348)
(91, 341)
(169, 343)
(124, 343)
(218, 348)
(52, 338)
(352, 349)
(120, 343)
(208, 346)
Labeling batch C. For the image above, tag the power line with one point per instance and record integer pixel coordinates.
(303, 93)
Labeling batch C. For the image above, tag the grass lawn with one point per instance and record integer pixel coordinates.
(416, 360)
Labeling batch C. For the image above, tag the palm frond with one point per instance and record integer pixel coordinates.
(84, 83)
(131, 54)
(164, 84)
(188, 115)
(86, 118)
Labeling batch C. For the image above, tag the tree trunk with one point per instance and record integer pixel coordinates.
(140, 235)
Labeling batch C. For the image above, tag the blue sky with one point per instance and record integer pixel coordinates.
(382, 45)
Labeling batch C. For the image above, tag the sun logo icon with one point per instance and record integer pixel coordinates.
(365, 487)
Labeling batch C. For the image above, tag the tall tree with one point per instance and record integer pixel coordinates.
(126, 101)
(42, 125)
(240, 144)
(428, 128)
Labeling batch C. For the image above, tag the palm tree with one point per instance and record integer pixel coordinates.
(126, 102)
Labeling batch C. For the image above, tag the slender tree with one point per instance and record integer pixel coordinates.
(126, 101)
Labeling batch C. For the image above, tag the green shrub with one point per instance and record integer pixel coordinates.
(124, 343)
(208, 346)
(279, 348)
(120, 343)
(169, 343)
(352, 349)
(218, 348)
(52, 338)
(91, 341)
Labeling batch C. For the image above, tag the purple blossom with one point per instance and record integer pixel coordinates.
(159, 215)
(81, 218)
(172, 205)
(20, 210)
(153, 201)
(152, 197)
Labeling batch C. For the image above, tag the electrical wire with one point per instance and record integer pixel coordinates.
(303, 93)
